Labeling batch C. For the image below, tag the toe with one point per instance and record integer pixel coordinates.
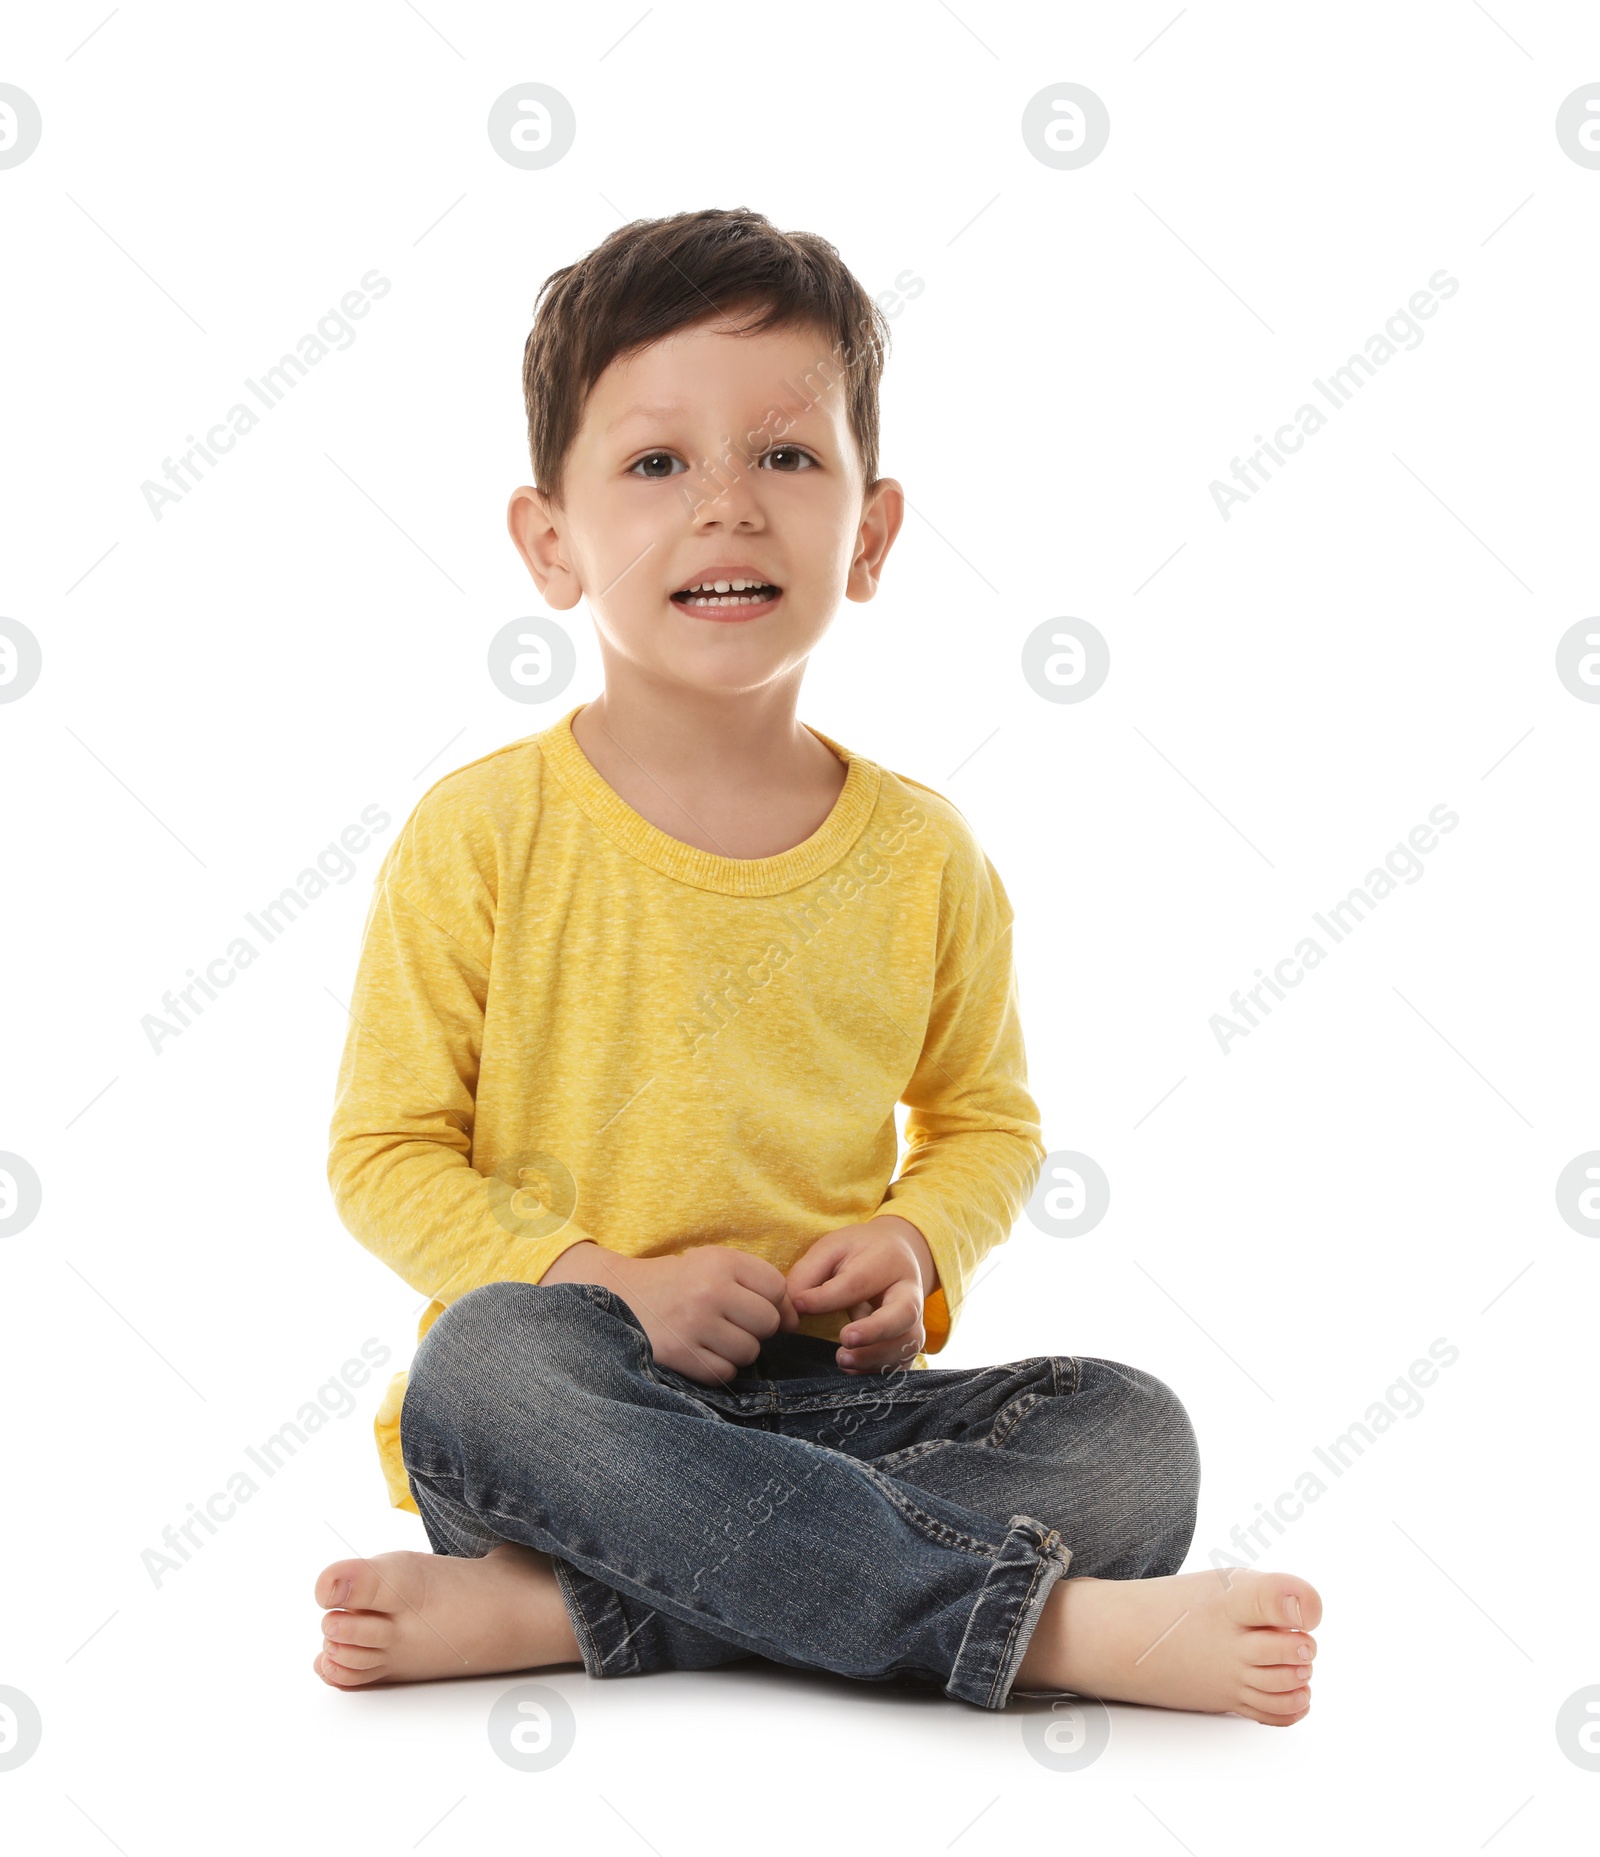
(1265, 1702)
(350, 1584)
(376, 1630)
(1264, 1646)
(357, 1657)
(340, 1676)
(1280, 1599)
(1272, 1721)
(1278, 1678)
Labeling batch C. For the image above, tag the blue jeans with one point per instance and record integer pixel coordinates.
(896, 1527)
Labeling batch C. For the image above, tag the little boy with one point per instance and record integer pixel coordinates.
(637, 999)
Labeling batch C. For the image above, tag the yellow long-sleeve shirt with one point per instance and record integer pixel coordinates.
(569, 1025)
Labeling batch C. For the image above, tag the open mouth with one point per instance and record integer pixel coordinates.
(733, 597)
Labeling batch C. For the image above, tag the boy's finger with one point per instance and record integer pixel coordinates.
(898, 1314)
(750, 1310)
(755, 1273)
(817, 1264)
(710, 1369)
(887, 1354)
(852, 1284)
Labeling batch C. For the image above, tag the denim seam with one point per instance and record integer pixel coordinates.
(1016, 1619)
(612, 1303)
(1021, 1611)
(1018, 1527)
(778, 1401)
(593, 1660)
(937, 1531)
(1006, 1421)
(770, 1401)
(907, 1453)
(624, 1638)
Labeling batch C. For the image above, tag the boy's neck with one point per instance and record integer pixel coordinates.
(708, 743)
(735, 775)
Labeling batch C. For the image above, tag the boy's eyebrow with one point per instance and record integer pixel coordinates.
(666, 412)
(643, 412)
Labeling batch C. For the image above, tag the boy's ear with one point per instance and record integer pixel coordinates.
(883, 511)
(538, 541)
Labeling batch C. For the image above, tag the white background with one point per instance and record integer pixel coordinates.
(305, 634)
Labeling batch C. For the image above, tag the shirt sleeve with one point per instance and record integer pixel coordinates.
(973, 1139)
(400, 1141)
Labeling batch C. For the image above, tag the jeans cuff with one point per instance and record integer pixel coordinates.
(606, 1641)
(1031, 1559)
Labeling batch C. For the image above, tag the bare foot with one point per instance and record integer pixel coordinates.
(407, 1618)
(1225, 1641)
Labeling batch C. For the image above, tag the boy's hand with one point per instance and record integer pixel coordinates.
(706, 1311)
(880, 1272)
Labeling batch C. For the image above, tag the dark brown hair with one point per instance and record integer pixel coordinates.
(653, 276)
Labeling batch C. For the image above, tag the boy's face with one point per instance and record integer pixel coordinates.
(712, 451)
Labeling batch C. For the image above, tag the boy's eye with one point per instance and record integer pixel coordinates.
(655, 457)
(643, 467)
